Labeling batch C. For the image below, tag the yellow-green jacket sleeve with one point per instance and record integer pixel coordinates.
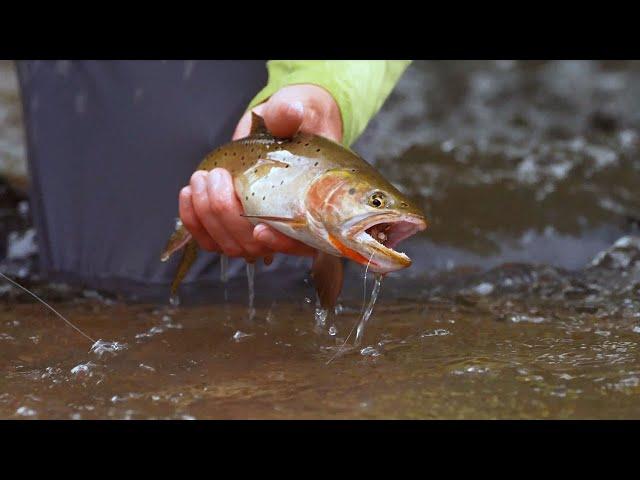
(359, 87)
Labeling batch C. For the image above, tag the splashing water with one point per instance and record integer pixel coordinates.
(224, 274)
(224, 266)
(101, 347)
(364, 301)
(367, 313)
(251, 271)
(321, 314)
(174, 300)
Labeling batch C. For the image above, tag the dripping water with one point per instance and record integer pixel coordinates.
(367, 313)
(174, 300)
(364, 301)
(251, 270)
(224, 274)
(321, 314)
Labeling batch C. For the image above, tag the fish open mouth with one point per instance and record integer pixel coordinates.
(384, 232)
(391, 234)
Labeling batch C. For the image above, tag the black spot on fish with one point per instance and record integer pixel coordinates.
(253, 193)
(255, 171)
(352, 191)
(315, 164)
(246, 198)
(286, 166)
(264, 198)
(306, 144)
(281, 182)
(403, 204)
(317, 150)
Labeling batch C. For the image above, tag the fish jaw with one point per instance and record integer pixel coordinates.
(358, 240)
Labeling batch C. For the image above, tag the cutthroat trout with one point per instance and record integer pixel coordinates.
(318, 192)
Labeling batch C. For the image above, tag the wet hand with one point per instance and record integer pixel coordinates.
(209, 207)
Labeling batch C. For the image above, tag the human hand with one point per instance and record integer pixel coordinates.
(209, 207)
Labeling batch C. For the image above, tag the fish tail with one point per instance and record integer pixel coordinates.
(188, 257)
(178, 239)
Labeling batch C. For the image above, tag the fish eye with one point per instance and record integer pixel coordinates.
(377, 200)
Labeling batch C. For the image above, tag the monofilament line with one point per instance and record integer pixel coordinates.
(48, 306)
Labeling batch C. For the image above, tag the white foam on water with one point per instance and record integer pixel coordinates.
(102, 347)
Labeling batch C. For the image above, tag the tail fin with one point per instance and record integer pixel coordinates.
(178, 239)
(188, 257)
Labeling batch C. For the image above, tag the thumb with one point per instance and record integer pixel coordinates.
(283, 117)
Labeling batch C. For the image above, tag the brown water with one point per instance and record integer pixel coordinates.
(431, 359)
(523, 300)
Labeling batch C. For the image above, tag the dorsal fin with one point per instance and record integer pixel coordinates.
(257, 124)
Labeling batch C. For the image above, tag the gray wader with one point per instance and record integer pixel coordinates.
(110, 145)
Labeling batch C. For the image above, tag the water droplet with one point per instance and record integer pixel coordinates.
(239, 336)
(147, 367)
(321, 315)
(436, 333)
(333, 330)
(26, 412)
(526, 318)
(484, 288)
(83, 369)
(101, 347)
(174, 300)
(369, 352)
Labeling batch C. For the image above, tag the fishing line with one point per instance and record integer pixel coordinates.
(364, 303)
(48, 306)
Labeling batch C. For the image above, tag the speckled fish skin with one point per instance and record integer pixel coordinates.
(314, 190)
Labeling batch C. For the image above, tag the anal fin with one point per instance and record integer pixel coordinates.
(328, 274)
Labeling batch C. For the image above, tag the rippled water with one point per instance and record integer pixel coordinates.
(523, 300)
(427, 359)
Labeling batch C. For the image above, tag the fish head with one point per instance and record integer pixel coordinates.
(364, 216)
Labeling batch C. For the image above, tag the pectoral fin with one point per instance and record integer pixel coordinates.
(188, 257)
(178, 239)
(327, 273)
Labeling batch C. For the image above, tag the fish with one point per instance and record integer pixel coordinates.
(319, 192)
